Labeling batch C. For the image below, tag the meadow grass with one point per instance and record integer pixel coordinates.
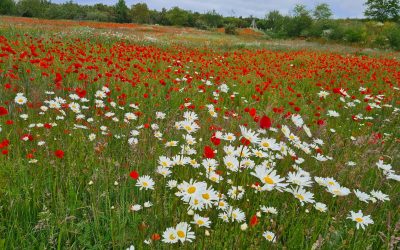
(83, 200)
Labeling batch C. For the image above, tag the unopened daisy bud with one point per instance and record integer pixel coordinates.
(148, 204)
(307, 211)
(90, 183)
(258, 214)
(207, 233)
(115, 183)
(112, 207)
(243, 227)
(136, 207)
(190, 212)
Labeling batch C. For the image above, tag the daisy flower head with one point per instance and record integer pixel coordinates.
(201, 221)
(145, 182)
(170, 236)
(320, 207)
(269, 210)
(20, 99)
(270, 236)
(361, 219)
(250, 135)
(184, 233)
(302, 195)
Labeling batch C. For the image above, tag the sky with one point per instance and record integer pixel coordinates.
(245, 8)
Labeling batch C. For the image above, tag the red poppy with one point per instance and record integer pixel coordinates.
(245, 142)
(155, 237)
(59, 153)
(3, 111)
(209, 152)
(134, 174)
(265, 122)
(253, 221)
(216, 141)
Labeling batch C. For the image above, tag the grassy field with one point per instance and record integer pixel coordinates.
(165, 138)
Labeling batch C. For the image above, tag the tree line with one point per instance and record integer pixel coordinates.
(137, 13)
(381, 10)
(317, 22)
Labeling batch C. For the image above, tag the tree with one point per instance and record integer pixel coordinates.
(32, 8)
(177, 16)
(212, 19)
(322, 12)
(140, 13)
(301, 21)
(383, 10)
(121, 12)
(274, 20)
(7, 7)
(300, 10)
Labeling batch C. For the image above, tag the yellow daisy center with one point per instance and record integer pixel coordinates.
(180, 234)
(191, 189)
(268, 180)
(206, 196)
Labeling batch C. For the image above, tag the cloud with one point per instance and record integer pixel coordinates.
(257, 8)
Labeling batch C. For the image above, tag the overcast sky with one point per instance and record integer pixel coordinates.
(258, 8)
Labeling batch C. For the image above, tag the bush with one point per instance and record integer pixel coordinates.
(97, 16)
(354, 35)
(230, 29)
(200, 24)
(321, 28)
(336, 33)
(393, 36)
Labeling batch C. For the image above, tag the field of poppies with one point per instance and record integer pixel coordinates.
(114, 138)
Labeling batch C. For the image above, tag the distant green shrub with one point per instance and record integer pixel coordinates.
(336, 33)
(393, 36)
(381, 41)
(230, 29)
(354, 35)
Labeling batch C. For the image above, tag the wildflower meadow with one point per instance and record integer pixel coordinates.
(138, 137)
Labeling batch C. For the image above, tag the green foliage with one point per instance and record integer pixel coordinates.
(212, 19)
(393, 37)
(7, 7)
(355, 34)
(383, 10)
(336, 33)
(322, 12)
(301, 21)
(238, 22)
(31, 8)
(321, 28)
(230, 29)
(121, 12)
(275, 21)
(140, 13)
(97, 15)
(177, 16)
